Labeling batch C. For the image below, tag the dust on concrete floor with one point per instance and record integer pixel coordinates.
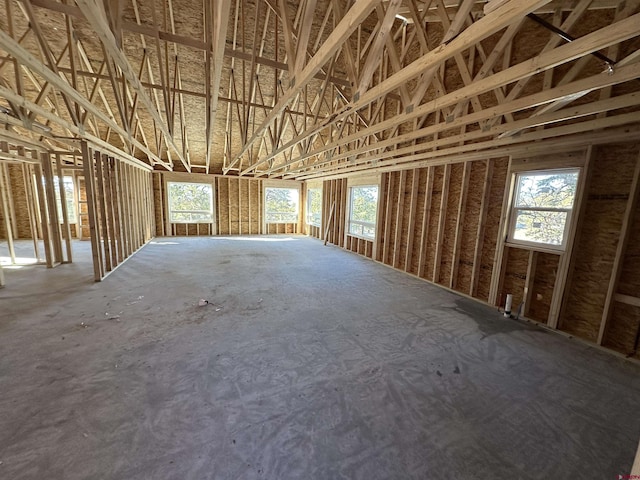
(310, 363)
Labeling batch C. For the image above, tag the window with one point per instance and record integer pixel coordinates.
(281, 205)
(190, 202)
(363, 205)
(69, 197)
(314, 206)
(542, 206)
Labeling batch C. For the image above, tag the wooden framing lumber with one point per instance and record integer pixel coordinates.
(621, 247)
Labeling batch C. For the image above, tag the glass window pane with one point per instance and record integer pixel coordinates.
(190, 202)
(314, 206)
(362, 211)
(364, 202)
(540, 226)
(547, 189)
(281, 205)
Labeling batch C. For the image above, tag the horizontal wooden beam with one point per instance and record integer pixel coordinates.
(606, 36)
(562, 144)
(627, 299)
(350, 22)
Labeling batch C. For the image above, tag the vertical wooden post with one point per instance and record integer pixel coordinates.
(477, 250)
(124, 206)
(621, 248)
(387, 220)
(52, 208)
(344, 194)
(426, 216)
(102, 208)
(65, 213)
(457, 242)
(249, 186)
(397, 239)
(441, 220)
(415, 184)
(44, 217)
(117, 208)
(380, 217)
(4, 187)
(498, 259)
(529, 280)
(88, 168)
(110, 210)
(565, 259)
(28, 193)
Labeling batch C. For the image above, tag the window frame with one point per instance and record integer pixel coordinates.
(70, 180)
(366, 182)
(170, 209)
(514, 209)
(308, 220)
(286, 185)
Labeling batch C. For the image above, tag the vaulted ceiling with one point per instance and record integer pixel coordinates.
(286, 89)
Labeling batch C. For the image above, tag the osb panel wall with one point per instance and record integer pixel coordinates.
(623, 330)
(542, 284)
(243, 205)
(387, 205)
(434, 218)
(237, 206)
(444, 223)
(498, 182)
(449, 225)
(607, 195)
(420, 210)
(515, 275)
(472, 214)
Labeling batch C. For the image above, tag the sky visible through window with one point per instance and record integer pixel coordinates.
(543, 205)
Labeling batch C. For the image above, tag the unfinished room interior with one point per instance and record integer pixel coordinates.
(319, 239)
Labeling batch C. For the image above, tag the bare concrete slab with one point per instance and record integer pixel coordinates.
(309, 363)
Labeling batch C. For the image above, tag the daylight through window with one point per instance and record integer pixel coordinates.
(542, 207)
(281, 205)
(363, 205)
(314, 206)
(67, 183)
(190, 202)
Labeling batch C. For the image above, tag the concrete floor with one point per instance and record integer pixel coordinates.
(312, 363)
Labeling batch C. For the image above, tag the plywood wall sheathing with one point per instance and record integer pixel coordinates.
(544, 272)
(606, 201)
(517, 262)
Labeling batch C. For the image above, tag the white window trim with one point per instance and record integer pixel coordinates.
(362, 181)
(510, 240)
(213, 204)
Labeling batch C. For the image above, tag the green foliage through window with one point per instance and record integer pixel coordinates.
(542, 206)
(190, 202)
(281, 205)
(363, 206)
(314, 206)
